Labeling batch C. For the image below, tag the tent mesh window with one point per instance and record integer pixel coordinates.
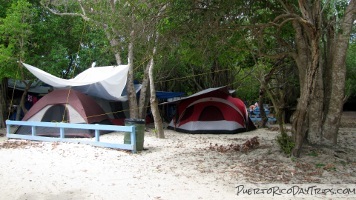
(56, 113)
(211, 113)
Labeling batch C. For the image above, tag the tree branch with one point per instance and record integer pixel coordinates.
(84, 16)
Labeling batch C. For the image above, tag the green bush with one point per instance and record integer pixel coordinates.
(285, 143)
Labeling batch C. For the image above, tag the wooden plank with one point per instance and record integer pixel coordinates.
(70, 125)
(53, 139)
(61, 126)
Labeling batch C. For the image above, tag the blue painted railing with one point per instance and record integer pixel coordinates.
(62, 126)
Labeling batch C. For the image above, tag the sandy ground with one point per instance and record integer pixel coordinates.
(182, 166)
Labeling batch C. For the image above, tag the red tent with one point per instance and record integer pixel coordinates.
(68, 106)
(212, 110)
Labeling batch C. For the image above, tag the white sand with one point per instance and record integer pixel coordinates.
(179, 167)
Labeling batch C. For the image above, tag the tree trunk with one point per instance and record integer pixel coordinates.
(275, 97)
(154, 107)
(278, 109)
(315, 115)
(300, 123)
(154, 101)
(338, 75)
(114, 43)
(264, 118)
(130, 81)
(143, 102)
(3, 102)
(307, 40)
(21, 108)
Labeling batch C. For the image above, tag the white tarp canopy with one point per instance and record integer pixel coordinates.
(104, 82)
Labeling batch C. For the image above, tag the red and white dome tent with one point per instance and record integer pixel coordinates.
(212, 110)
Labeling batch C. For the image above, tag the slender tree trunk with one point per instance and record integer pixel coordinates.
(338, 74)
(280, 120)
(154, 101)
(275, 97)
(130, 81)
(114, 43)
(144, 93)
(278, 109)
(3, 102)
(264, 118)
(21, 108)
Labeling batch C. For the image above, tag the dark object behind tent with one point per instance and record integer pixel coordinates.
(65, 106)
(212, 110)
